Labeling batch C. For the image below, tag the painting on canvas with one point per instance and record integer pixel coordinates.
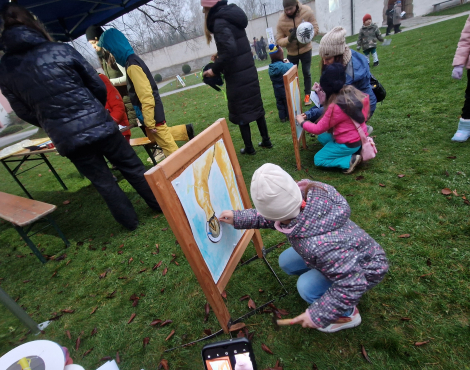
(205, 189)
(296, 103)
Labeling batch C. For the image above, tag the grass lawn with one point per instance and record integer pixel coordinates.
(194, 79)
(424, 298)
(452, 10)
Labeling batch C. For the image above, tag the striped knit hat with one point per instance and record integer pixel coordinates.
(334, 43)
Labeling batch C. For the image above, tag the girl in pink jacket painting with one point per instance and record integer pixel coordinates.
(461, 61)
(335, 129)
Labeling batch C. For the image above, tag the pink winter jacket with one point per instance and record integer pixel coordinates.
(344, 130)
(462, 53)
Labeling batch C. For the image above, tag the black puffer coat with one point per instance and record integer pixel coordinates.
(235, 61)
(51, 85)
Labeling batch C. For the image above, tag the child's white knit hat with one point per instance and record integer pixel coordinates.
(275, 193)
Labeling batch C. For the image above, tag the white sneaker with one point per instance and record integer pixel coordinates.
(463, 131)
(344, 322)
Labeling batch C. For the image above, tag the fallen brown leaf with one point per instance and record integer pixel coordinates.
(118, 359)
(241, 334)
(404, 236)
(237, 326)
(164, 364)
(364, 353)
(266, 349)
(77, 343)
(155, 322)
(455, 193)
(68, 334)
(170, 335)
(429, 262)
(251, 304)
(130, 260)
(207, 332)
(157, 265)
(111, 295)
(165, 270)
(54, 274)
(103, 275)
(224, 294)
(244, 297)
(65, 202)
(87, 352)
(421, 276)
(261, 290)
(417, 344)
(382, 185)
(166, 322)
(358, 178)
(251, 335)
(401, 175)
(105, 358)
(391, 228)
(165, 229)
(93, 310)
(283, 312)
(94, 331)
(68, 311)
(146, 341)
(446, 191)
(405, 319)
(143, 270)
(132, 318)
(122, 277)
(68, 262)
(452, 157)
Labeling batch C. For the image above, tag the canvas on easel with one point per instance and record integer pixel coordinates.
(294, 105)
(193, 186)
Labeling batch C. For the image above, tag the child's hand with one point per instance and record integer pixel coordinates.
(304, 320)
(153, 130)
(227, 217)
(299, 119)
(304, 116)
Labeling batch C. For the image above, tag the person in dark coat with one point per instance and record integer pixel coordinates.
(389, 14)
(227, 23)
(51, 85)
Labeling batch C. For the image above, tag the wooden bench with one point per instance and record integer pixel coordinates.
(148, 145)
(23, 213)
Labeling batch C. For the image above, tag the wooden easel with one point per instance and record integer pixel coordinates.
(290, 76)
(159, 179)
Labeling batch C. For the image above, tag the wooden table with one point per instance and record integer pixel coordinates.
(25, 156)
(148, 146)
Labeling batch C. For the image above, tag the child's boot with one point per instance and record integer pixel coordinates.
(344, 322)
(463, 131)
(376, 58)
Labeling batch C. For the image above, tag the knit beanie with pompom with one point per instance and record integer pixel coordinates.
(333, 79)
(334, 43)
(275, 193)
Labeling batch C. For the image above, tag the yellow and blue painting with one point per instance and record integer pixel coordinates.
(296, 103)
(205, 189)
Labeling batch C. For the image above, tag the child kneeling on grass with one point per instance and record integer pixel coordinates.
(337, 261)
(277, 69)
(336, 130)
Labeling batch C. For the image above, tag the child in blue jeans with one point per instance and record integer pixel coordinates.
(336, 261)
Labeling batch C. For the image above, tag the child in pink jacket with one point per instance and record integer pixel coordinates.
(461, 61)
(335, 129)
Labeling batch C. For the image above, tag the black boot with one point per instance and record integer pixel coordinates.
(263, 130)
(246, 136)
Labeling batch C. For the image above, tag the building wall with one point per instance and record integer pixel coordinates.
(169, 60)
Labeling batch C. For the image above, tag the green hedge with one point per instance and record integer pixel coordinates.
(10, 130)
(186, 69)
(158, 77)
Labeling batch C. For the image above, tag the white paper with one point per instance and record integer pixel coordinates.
(110, 365)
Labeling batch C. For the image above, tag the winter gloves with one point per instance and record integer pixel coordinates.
(293, 35)
(457, 72)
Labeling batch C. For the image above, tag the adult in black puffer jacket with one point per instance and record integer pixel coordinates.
(50, 85)
(235, 61)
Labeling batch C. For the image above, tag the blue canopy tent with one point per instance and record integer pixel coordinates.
(68, 19)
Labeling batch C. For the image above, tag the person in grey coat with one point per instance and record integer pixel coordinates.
(337, 261)
(397, 17)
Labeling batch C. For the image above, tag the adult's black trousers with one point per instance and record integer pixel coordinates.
(90, 161)
(306, 59)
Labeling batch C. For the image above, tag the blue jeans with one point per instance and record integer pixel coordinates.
(312, 284)
(333, 154)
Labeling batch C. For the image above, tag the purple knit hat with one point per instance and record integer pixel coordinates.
(209, 3)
